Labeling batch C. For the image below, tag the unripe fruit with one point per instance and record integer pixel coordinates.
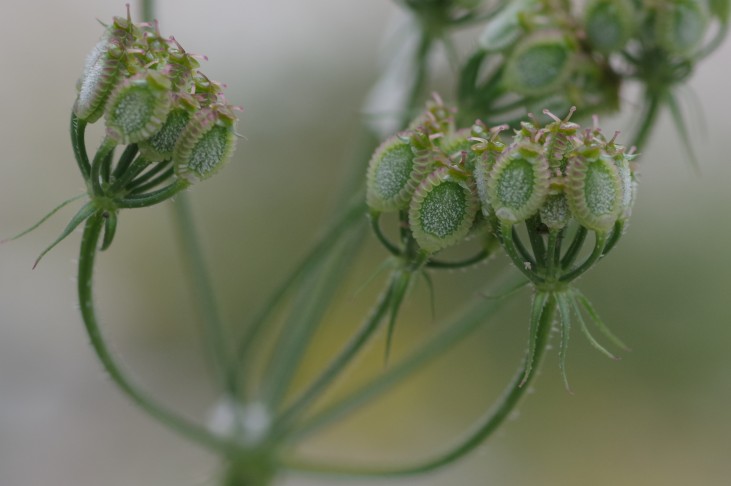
(609, 24)
(137, 108)
(442, 209)
(98, 79)
(160, 146)
(205, 145)
(681, 26)
(594, 190)
(555, 212)
(391, 176)
(539, 64)
(518, 184)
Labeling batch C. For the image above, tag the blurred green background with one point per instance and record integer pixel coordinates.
(301, 70)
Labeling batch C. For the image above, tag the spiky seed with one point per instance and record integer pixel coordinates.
(137, 108)
(391, 178)
(555, 212)
(442, 210)
(609, 24)
(539, 64)
(681, 25)
(161, 145)
(594, 192)
(205, 145)
(518, 184)
(97, 81)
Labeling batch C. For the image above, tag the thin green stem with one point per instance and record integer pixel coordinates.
(481, 256)
(483, 429)
(147, 10)
(214, 331)
(649, 117)
(599, 243)
(138, 165)
(78, 130)
(553, 250)
(614, 237)
(340, 362)
(154, 170)
(155, 197)
(106, 168)
(375, 218)
(401, 284)
(453, 332)
(536, 241)
(153, 182)
(179, 424)
(521, 249)
(100, 159)
(305, 316)
(110, 229)
(520, 262)
(574, 248)
(124, 161)
(421, 69)
(330, 238)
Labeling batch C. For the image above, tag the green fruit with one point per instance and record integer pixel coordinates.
(442, 210)
(539, 64)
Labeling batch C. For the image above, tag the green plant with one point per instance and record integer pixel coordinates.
(468, 176)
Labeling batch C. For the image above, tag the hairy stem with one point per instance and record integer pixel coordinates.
(353, 213)
(213, 328)
(155, 197)
(649, 117)
(421, 68)
(78, 130)
(181, 425)
(505, 404)
(341, 361)
(453, 332)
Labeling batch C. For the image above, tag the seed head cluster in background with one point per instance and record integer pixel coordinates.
(149, 91)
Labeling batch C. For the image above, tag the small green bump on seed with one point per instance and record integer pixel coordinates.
(555, 212)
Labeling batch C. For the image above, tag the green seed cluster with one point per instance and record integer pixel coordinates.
(559, 172)
(150, 92)
(450, 181)
(536, 54)
(426, 172)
